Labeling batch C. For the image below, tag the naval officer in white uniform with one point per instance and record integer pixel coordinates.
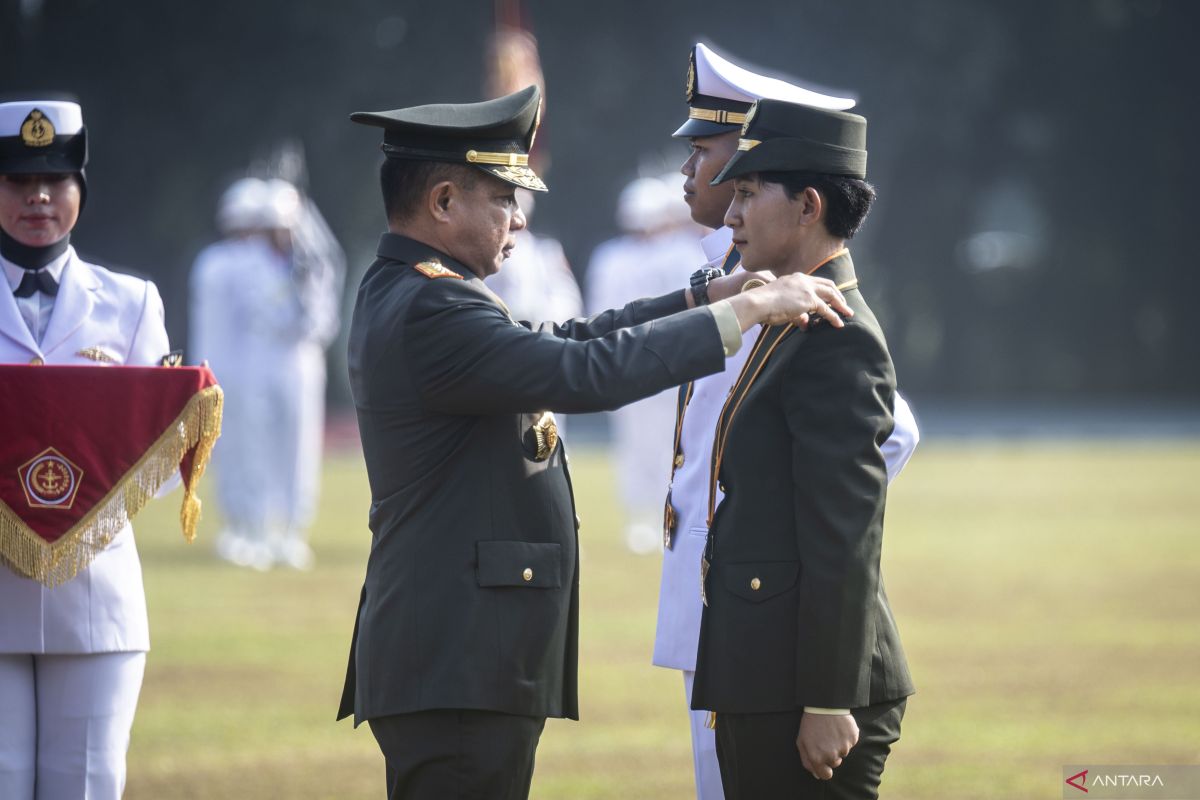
(264, 308)
(719, 95)
(71, 657)
(656, 252)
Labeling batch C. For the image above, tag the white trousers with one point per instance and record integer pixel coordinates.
(64, 724)
(704, 748)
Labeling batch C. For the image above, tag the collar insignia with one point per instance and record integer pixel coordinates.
(434, 269)
(37, 130)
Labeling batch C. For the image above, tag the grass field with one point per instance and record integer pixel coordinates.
(1048, 595)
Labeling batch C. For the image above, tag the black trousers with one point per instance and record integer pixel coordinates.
(452, 754)
(759, 760)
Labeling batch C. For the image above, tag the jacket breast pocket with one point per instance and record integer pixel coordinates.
(535, 565)
(760, 580)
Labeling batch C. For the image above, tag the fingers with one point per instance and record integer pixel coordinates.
(836, 300)
(827, 312)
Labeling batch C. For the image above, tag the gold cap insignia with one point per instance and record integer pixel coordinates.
(37, 130)
(749, 117)
(434, 269)
(691, 76)
(545, 432)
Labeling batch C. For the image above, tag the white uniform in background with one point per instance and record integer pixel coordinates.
(656, 256)
(72, 657)
(262, 317)
(536, 282)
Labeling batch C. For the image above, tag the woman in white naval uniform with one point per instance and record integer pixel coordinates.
(71, 657)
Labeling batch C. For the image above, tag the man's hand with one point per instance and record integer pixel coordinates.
(791, 298)
(731, 285)
(824, 740)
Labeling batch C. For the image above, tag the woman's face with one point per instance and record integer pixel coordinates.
(38, 210)
(765, 223)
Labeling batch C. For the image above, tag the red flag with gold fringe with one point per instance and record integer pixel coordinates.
(85, 448)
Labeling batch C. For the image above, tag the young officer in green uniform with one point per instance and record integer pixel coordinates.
(466, 636)
(799, 655)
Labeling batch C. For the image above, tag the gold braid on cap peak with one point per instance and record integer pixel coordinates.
(719, 117)
(503, 159)
(748, 144)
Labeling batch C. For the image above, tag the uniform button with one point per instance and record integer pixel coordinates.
(36, 361)
(678, 460)
(721, 486)
(527, 574)
(755, 584)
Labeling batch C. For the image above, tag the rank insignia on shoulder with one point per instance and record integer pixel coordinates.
(434, 269)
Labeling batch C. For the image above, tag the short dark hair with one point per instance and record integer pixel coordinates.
(405, 182)
(847, 200)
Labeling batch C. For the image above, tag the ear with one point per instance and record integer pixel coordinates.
(439, 200)
(811, 206)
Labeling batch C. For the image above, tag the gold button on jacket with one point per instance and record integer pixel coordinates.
(527, 574)
(755, 584)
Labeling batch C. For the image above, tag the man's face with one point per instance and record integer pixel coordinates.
(765, 223)
(485, 219)
(38, 210)
(708, 157)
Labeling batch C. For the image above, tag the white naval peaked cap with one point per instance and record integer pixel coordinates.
(282, 207)
(719, 93)
(643, 204)
(44, 136)
(65, 117)
(240, 206)
(255, 204)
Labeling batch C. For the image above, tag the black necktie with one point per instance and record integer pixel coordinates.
(36, 281)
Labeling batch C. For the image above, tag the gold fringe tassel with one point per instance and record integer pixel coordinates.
(52, 564)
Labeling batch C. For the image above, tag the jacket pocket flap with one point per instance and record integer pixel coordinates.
(533, 564)
(760, 580)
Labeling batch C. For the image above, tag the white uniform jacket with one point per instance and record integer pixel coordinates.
(103, 608)
(679, 605)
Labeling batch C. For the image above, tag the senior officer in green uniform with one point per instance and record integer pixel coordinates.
(466, 636)
(799, 655)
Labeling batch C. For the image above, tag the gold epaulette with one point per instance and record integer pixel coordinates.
(434, 269)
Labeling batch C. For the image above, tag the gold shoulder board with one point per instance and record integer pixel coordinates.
(434, 269)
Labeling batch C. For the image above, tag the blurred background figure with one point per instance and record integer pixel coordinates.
(659, 249)
(264, 307)
(536, 281)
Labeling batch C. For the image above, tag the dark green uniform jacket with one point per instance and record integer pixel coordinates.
(797, 614)
(472, 588)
